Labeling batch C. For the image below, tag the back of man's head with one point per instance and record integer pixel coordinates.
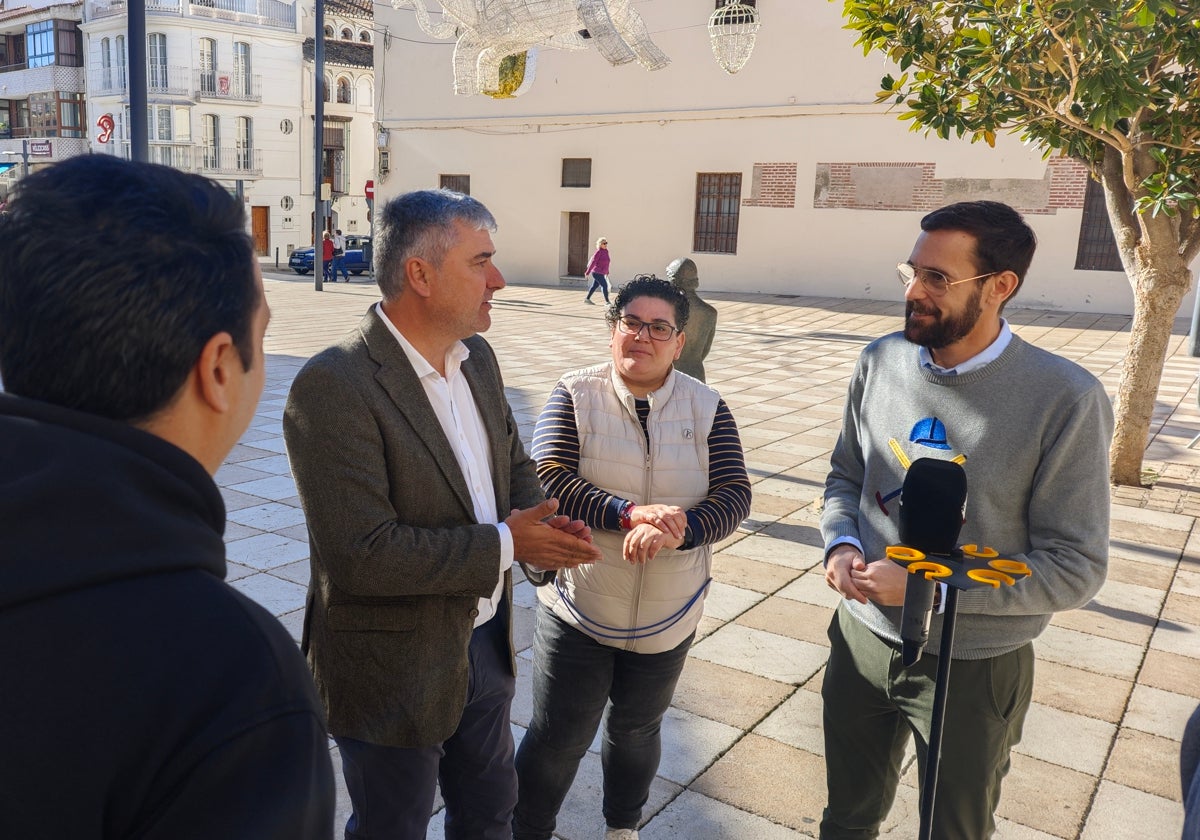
(113, 276)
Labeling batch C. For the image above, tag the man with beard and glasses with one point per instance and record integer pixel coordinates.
(1032, 432)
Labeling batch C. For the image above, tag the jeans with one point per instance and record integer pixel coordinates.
(339, 264)
(873, 704)
(574, 678)
(392, 788)
(599, 281)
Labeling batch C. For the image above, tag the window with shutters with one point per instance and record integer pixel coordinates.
(1097, 249)
(577, 172)
(718, 206)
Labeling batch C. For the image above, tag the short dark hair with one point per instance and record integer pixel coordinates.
(420, 224)
(1003, 241)
(113, 277)
(647, 285)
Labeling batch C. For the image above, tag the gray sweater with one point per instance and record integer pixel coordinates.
(1035, 431)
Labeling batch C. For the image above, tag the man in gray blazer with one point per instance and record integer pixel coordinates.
(408, 462)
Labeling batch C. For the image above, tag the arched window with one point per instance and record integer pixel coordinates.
(325, 88)
(343, 90)
(242, 85)
(208, 65)
(328, 31)
(211, 141)
(347, 33)
(120, 50)
(157, 61)
(106, 64)
(365, 36)
(245, 143)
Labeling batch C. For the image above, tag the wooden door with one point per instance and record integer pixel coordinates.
(261, 224)
(577, 243)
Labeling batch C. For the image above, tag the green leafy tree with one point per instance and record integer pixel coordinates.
(1113, 84)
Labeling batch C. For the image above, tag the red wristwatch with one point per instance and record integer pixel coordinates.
(626, 512)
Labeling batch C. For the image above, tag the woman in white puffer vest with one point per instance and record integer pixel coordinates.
(651, 460)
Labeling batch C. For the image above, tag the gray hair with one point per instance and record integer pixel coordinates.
(421, 224)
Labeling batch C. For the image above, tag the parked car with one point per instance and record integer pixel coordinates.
(358, 256)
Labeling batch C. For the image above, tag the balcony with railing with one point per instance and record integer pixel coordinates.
(228, 161)
(213, 161)
(161, 80)
(217, 86)
(109, 8)
(177, 155)
(167, 80)
(274, 14)
(111, 81)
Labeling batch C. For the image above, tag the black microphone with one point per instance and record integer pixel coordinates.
(932, 501)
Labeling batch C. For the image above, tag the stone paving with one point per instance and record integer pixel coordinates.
(743, 753)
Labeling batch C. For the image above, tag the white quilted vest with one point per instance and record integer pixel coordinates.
(651, 607)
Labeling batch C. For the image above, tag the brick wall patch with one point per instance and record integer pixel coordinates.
(888, 185)
(772, 185)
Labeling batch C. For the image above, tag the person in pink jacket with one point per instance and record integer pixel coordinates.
(598, 267)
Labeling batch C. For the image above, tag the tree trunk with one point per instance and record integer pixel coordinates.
(1160, 280)
(1157, 267)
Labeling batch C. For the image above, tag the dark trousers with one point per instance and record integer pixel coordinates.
(392, 788)
(873, 704)
(574, 678)
(339, 264)
(599, 281)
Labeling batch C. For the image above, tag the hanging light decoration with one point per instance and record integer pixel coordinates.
(731, 30)
(490, 32)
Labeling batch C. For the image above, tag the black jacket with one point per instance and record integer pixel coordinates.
(140, 695)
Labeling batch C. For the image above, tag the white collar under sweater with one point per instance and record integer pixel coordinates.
(988, 355)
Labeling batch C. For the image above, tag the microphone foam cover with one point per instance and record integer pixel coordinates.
(931, 505)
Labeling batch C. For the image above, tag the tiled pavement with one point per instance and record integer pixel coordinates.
(743, 749)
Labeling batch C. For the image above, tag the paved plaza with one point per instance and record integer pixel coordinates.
(743, 752)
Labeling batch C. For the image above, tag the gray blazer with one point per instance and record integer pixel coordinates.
(398, 560)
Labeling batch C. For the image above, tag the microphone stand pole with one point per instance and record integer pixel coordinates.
(940, 690)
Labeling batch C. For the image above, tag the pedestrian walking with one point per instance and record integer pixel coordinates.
(339, 256)
(327, 257)
(598, 267)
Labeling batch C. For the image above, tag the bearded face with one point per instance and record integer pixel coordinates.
(936, 326)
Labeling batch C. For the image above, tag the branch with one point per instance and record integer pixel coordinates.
(1073, 78)
(1119, 200)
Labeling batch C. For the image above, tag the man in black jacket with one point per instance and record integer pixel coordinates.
(143, 696)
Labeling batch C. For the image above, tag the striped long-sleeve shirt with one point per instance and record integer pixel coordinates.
(556, 450)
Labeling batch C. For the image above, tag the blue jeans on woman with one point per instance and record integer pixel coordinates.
(574, 678)
(599, 281)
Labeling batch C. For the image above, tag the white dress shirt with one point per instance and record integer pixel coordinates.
(455, 407)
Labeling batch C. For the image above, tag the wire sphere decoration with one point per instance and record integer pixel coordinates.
(731, 31)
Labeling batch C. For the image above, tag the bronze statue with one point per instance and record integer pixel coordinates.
(702, 323)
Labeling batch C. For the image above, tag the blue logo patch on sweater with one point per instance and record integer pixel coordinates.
(929, 432)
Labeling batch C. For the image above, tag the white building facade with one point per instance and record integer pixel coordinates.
(223, 80)
(42, 107)
(348, 144)
(784, 178)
